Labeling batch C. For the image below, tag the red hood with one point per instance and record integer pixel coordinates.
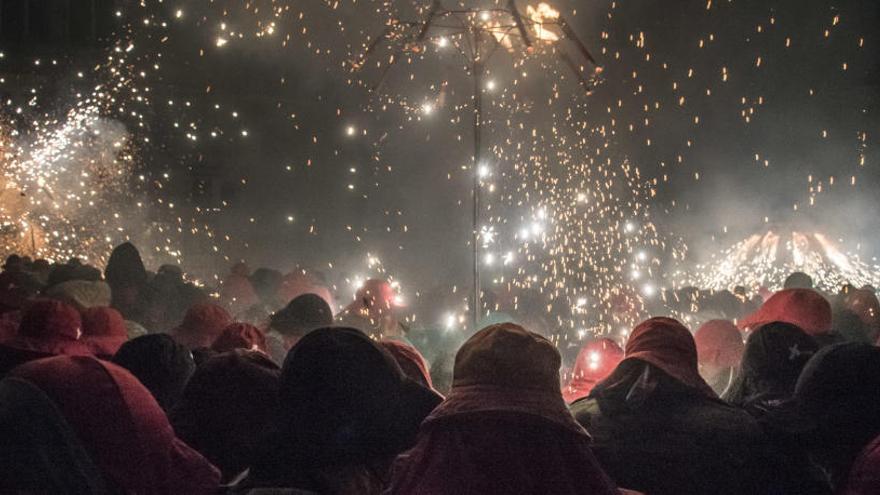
(804, 308)
(122, 426)
(864, 476)
(103, 330)
(595, 361)
(50, 327)
(237, 293)
(410, 360)
(720, 343)
(668, 345)
(240, 336)
(201, 326)
(297, 283)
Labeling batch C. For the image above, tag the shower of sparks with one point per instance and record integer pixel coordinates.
(766, 260)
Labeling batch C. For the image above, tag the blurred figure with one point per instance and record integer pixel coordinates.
(48, 328)
(866, 306)
(121, 426)
(299, 282)
(226, 409)
(201, 326)
(504, 427)
(346, 411)
(798, 280)
(595, 361)
(719, 349)
(301, 315)
(374, 311)
(659, 428)
(266, 283)
(240, 336)
(127, 276)
(237, 294)
(774, 356)
(103, 331)
(160, 363)
(410, 360)
(838, 392)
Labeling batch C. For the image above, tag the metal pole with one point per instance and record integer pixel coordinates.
(478, 134)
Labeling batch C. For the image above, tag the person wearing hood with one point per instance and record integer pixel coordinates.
(838, 392)
(201, 326)
(595, 361)
(119, 424)
(410, 360)
(291, 323)
(226, 408)
(504, 428)
(346, 411)
(160, 363)
(803, 308)
(241, 336)
(374, 311)
(774, 356)
(659, 428)
(48, 328)
(81, 294)
(103, 330)
(127, 276)
(719, 349)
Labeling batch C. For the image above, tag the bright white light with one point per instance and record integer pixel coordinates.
(581, 302)
(351, 130)
(490, 84)
(630, 227)
(582, 197)
(442, 42)
(648, 290)
(484, 16)
(489, 259)
(537, 228)
(221, 41)
(508, 258)
(179, 13)
(428, 108)
(642, 256)
(483, 171)
(636, 275)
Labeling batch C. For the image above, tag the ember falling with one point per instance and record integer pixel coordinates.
(627, 148)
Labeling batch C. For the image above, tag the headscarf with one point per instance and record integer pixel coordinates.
(804, 308)
(240, 336)
(504, 428)
(410, 360)
(160, 363)
(773, 359)
(201, 325)
(838, 391)
(103, 330)
(121, 425)
(595, 361)
(668, 345)
(343, 401)
(40, 452)
(226, 408)
(719, 343)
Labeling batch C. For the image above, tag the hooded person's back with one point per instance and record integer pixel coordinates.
(48, 328)
(160, 364)
(126, 275)
(658, 428)
(504, 428)
(201, 326)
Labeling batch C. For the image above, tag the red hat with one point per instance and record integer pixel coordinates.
(668, 345)
(240, 336)
(410, 360)
(375, 297)
(121, 425)
(201, 325)
(505, 367)
(804, 308)
(50, 327)
(720, 343)
(103, 330)
(595, 361)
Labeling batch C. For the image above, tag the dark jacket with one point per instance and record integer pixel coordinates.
(654, 434)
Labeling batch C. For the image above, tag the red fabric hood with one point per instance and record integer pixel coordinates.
(410, 360)
(103, 330)
(595, 361)
(121, 425)
(240, 336)
(50, 327)
(668, 345)
(201, 326)
(864, 476)
(720, 343)
(804, 308)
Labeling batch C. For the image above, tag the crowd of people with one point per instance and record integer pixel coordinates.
(131, 381)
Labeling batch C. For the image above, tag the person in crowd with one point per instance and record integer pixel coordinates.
(719, 349)
(201, 326)
(119, 425)
(48, 328)
(804, 308)
(798, 280)
(266, 283)
(773, 359)
(241, 336)
(838, 392)
(226, 409)
(374, 311)
(81, 294)
(865, 305)
(127, 276)
(237, 293)
(103, 330)
(659, 428)
(595, 361)
(410, 360)
(299, 282)
(504, 428)
(160, 363)
(291, 323)
(346, 411)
